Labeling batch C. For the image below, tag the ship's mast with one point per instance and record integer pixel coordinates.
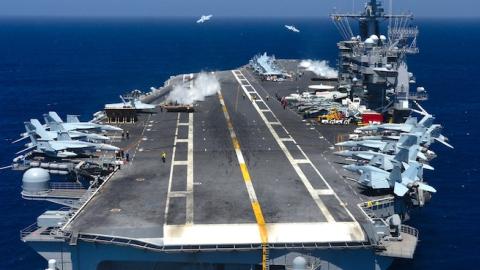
(373, 65)
(369, 23)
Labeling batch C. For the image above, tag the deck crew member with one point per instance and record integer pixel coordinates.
(164, 157)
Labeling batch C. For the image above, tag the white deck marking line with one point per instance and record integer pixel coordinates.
(178, 194)
(170, 177)
(302, 161)
(301, 150)
(180, 162)
(182, 140)
(183, 124)
(325, 192)
(189, 214)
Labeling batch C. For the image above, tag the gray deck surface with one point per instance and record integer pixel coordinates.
(205, 186)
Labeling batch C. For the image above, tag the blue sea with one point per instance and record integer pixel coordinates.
(76, 65)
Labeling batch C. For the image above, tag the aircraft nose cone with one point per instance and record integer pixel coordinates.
(367, 128)
(343, 153)
(351, 168)
(113, 128)
(110, 128)
(67, 154)
(102, 138)
(108, 147)
(346, 144)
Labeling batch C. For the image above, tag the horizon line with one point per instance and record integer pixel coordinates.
(23, 16)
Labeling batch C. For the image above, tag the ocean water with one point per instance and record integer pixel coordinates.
(76, 65)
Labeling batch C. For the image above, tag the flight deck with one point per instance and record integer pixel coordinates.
(281, 163)
(241, 169)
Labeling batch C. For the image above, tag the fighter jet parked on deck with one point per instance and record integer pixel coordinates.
(204, 18)
(408, 126)
(424, 128)
(385, 161)
(36, 127)
(130, 103)
(383, 146)
(376, 178)
(64, 146)
(54, 122)
(292, 28)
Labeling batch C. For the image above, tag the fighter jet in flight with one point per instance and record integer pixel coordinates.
(204, 18)
(292, 28)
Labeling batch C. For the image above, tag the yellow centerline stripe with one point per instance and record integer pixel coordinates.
(257, 209)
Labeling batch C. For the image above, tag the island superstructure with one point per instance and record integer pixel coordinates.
(254, 174)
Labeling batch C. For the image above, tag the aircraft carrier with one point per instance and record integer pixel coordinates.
(241, 179)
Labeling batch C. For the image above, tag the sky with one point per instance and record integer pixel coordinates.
(224, 8)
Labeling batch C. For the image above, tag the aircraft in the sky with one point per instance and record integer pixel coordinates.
(55, 123)
(292, 28)
(204, 18)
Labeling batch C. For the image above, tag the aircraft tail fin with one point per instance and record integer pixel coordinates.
(63, 136)
(381, 162)
(395, 174)
(413, 152)
(55, 117)
(72, 119)
(29, 127)
(427, 121)
(435, 132)
(408, 140)
(390, 146)
(31, 134)
(54, 126)
(411, 121)
(123, 100)
(403, 155)
(400, 190)
(412, 172)
(36, 126)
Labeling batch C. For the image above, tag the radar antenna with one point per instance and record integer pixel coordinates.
(401, 34)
